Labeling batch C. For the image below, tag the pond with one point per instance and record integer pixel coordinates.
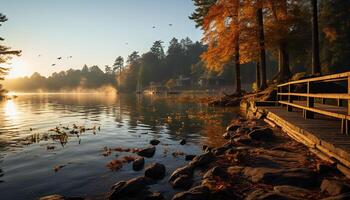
(36, 160)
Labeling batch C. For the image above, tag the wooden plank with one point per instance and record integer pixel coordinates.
(322, 78)
(318, 95)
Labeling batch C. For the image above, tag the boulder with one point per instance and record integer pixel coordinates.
(334, 187)
(136, 186)
(195, 193)
(185, 170)
(300, 177)
(261, 134)
(154, 142)
(182, 182)
(183, 142)
(138, 164)
(234, 170)
(202, 160)
(155, 171)
(243, 140)
(147, 152)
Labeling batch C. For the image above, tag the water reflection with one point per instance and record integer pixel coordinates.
(40, 132)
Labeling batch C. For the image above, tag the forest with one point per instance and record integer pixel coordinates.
(271, 39)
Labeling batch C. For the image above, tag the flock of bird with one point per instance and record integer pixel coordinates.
(70, 57)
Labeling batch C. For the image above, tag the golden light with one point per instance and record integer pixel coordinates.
(10, 109)
(18, 68)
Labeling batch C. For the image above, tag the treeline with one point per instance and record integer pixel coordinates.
(71, 80)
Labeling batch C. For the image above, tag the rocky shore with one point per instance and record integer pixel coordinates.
(256, 163)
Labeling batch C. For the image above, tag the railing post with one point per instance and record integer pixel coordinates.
(345, 129)
(290, 99)
(309, 103)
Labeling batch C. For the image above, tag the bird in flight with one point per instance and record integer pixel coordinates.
(53, 65)
(39, 55)
(170, 24)
(59, 58)
(154, 27)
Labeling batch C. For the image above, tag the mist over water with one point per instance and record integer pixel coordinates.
(27, 161)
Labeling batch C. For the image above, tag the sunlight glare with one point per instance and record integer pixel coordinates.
(10, 109)
(18, 68)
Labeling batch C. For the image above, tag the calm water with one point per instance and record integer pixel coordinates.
(27, 160)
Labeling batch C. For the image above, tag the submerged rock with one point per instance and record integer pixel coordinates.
(183, 182)
(154, 142)
(147, 152)
(138, 164)
(183, 142)
(195, 193)
(189, 157)
(133, 188)
(155, 171)
(185, 170)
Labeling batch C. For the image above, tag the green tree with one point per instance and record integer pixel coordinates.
(118, 64)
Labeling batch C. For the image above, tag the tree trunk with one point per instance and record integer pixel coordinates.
(284, 72)
(238, 69)
(316, 68)
(257, 73)
(262, 73)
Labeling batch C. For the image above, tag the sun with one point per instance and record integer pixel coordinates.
(18, 68)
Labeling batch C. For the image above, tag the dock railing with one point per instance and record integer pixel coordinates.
(287, 97)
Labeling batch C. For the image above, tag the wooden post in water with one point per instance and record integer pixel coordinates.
(310, 101)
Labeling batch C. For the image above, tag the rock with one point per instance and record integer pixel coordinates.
(154, 196)
(206, 148)
(183, 182)
(203, 160)
(183, 142)
(133, 187)
(334, 187)
(216, 172)
(155, 171)
(261, 134)
(147, 152)
(234, 170)
(232, 127)
(53, 197)
(220, 150)
(227, 135)
(345, 196)
(138, 164)
(189, 157)
(260, 194)
(293, 191)
(300, 177)
(185, 170)
(154, 142)
(243, 140)
(195, 193)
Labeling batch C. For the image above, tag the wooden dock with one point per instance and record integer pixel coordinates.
(305, 117)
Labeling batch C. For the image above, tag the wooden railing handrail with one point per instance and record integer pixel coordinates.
(310, 108)
(322, 78)
(319, 95)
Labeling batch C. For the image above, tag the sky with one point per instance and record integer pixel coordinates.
(93, 32)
